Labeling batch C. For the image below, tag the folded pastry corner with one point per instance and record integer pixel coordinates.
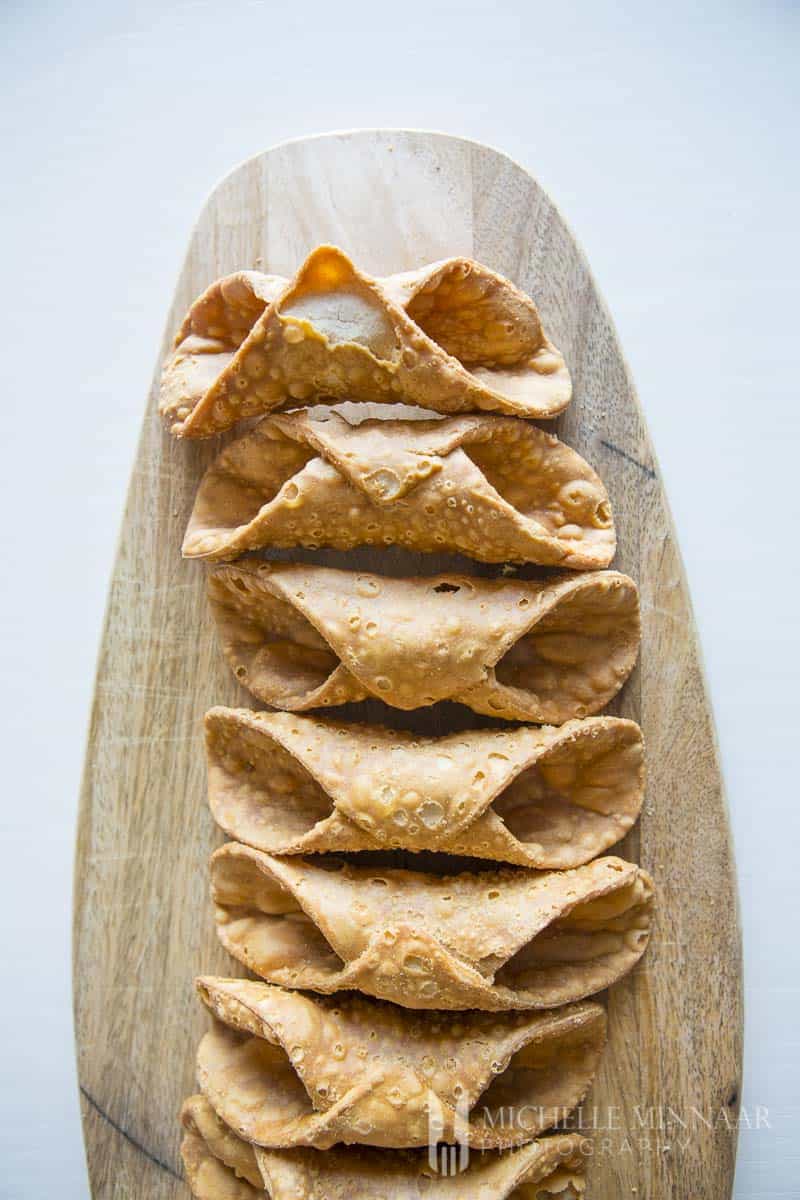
(219, 1165)
(302, 637)
(452, 337)
(549, 1168)
(494, 488)
(544, 797)
(493, 940)
(282, 1069)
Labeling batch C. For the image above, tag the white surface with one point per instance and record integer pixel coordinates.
(667, 137)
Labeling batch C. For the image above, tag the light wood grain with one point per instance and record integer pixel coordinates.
(143, 923)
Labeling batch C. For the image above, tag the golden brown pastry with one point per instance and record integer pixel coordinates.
(544, 797)
(302, 637)
(494, 488)
(493, 940)
(452, 337)
(282, 1069)
(221, 1166)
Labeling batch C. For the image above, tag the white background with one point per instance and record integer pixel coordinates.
(666, 133)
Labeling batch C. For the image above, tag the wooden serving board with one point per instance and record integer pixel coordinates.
(143, 920)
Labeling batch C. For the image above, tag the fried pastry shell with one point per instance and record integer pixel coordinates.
(493, 488)
(542, 797)
(221, 1166)
(282, 1069)
(492, 940)
(452, 337)
(301, 637)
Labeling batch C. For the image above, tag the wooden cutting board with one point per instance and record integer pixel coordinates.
(667, 1096)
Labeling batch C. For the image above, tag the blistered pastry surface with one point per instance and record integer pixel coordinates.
(283, 1069)
(302, 637)
(555, 1164)
(544, 797)
(495, 940)
(459, 338)
(494, 488)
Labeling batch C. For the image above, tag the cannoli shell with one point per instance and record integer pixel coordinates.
(493, 488)
(451, 337)
(491, 940)
(301, 637)
(282, 1069)
(548, 1167)
(543, 797)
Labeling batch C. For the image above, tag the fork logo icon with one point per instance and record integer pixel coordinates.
(442, 1158)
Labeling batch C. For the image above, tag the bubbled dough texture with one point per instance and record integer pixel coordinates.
(282, 1069)
(493, 941)
(494, 488)
(301, 637)
(288, 785)
(212, 1161)
(209, 1177)
(215, 1140)
(249, 345)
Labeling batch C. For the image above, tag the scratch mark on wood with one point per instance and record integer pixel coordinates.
(648, 471)
(123, 1133)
